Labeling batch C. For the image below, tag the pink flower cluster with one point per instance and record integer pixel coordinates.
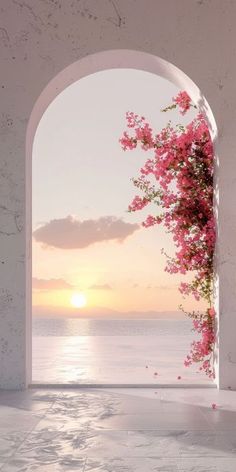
(201, 350)
(143, 133)
(138, 203)
(183, 101)
(181, 168)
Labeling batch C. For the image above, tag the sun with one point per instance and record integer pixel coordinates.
(78, 300)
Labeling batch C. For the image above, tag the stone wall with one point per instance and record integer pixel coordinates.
(39, 39)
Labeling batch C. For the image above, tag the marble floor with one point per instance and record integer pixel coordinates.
(118, 430)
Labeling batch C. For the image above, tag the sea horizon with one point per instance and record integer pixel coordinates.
(104, 313)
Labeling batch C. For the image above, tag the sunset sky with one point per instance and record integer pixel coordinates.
(84, 240)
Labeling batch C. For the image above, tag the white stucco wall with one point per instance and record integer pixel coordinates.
(39, 39)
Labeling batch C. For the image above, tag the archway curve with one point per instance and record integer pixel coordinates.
(101, 61)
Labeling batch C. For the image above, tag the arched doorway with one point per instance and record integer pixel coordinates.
(99, 62)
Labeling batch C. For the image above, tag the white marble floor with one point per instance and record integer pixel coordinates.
(118, 430)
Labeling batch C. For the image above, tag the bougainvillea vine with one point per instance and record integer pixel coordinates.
(178, 180)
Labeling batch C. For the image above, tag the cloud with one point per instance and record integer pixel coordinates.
(50, 284)
(162, 287)
(100, 287)
(71, 233)
(166, 287)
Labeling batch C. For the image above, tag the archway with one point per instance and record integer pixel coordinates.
(85, 67)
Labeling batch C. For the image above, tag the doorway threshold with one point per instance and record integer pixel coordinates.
(113, 385)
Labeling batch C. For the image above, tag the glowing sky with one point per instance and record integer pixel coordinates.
(84, 238)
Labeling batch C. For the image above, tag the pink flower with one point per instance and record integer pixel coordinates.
(151, 221)
(213, 406)
(184, 101)
(181, 165)
(127, 142)
(211, 312)
(138, 203)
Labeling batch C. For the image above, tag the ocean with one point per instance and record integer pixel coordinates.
(102, 327)
(101, 351)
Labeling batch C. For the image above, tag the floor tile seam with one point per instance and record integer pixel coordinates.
(29, 432)
(5, 463)
(105, 430)
(145, 413)
(50, 403)
(162, 456)
(87, 432)
(25, 438)
(162, 410)
(146, 430)
(129, 458)
(85, 463)
(161, 429)
(45, 413)
(177, 430)
(207, 419)
(16, 450)
(213, 456)
(151, 413)
(217, 460)
(216, 427)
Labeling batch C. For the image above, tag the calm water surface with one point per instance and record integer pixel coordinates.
(88, 351)
(86, 327)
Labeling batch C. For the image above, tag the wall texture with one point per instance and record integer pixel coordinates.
(39, 38)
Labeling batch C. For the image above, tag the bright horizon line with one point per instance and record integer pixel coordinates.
(97, 307)
(102, 312)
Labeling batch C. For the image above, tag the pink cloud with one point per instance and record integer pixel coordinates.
(100, 287)
(71, 233)
(161, 287)
(50, 284)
